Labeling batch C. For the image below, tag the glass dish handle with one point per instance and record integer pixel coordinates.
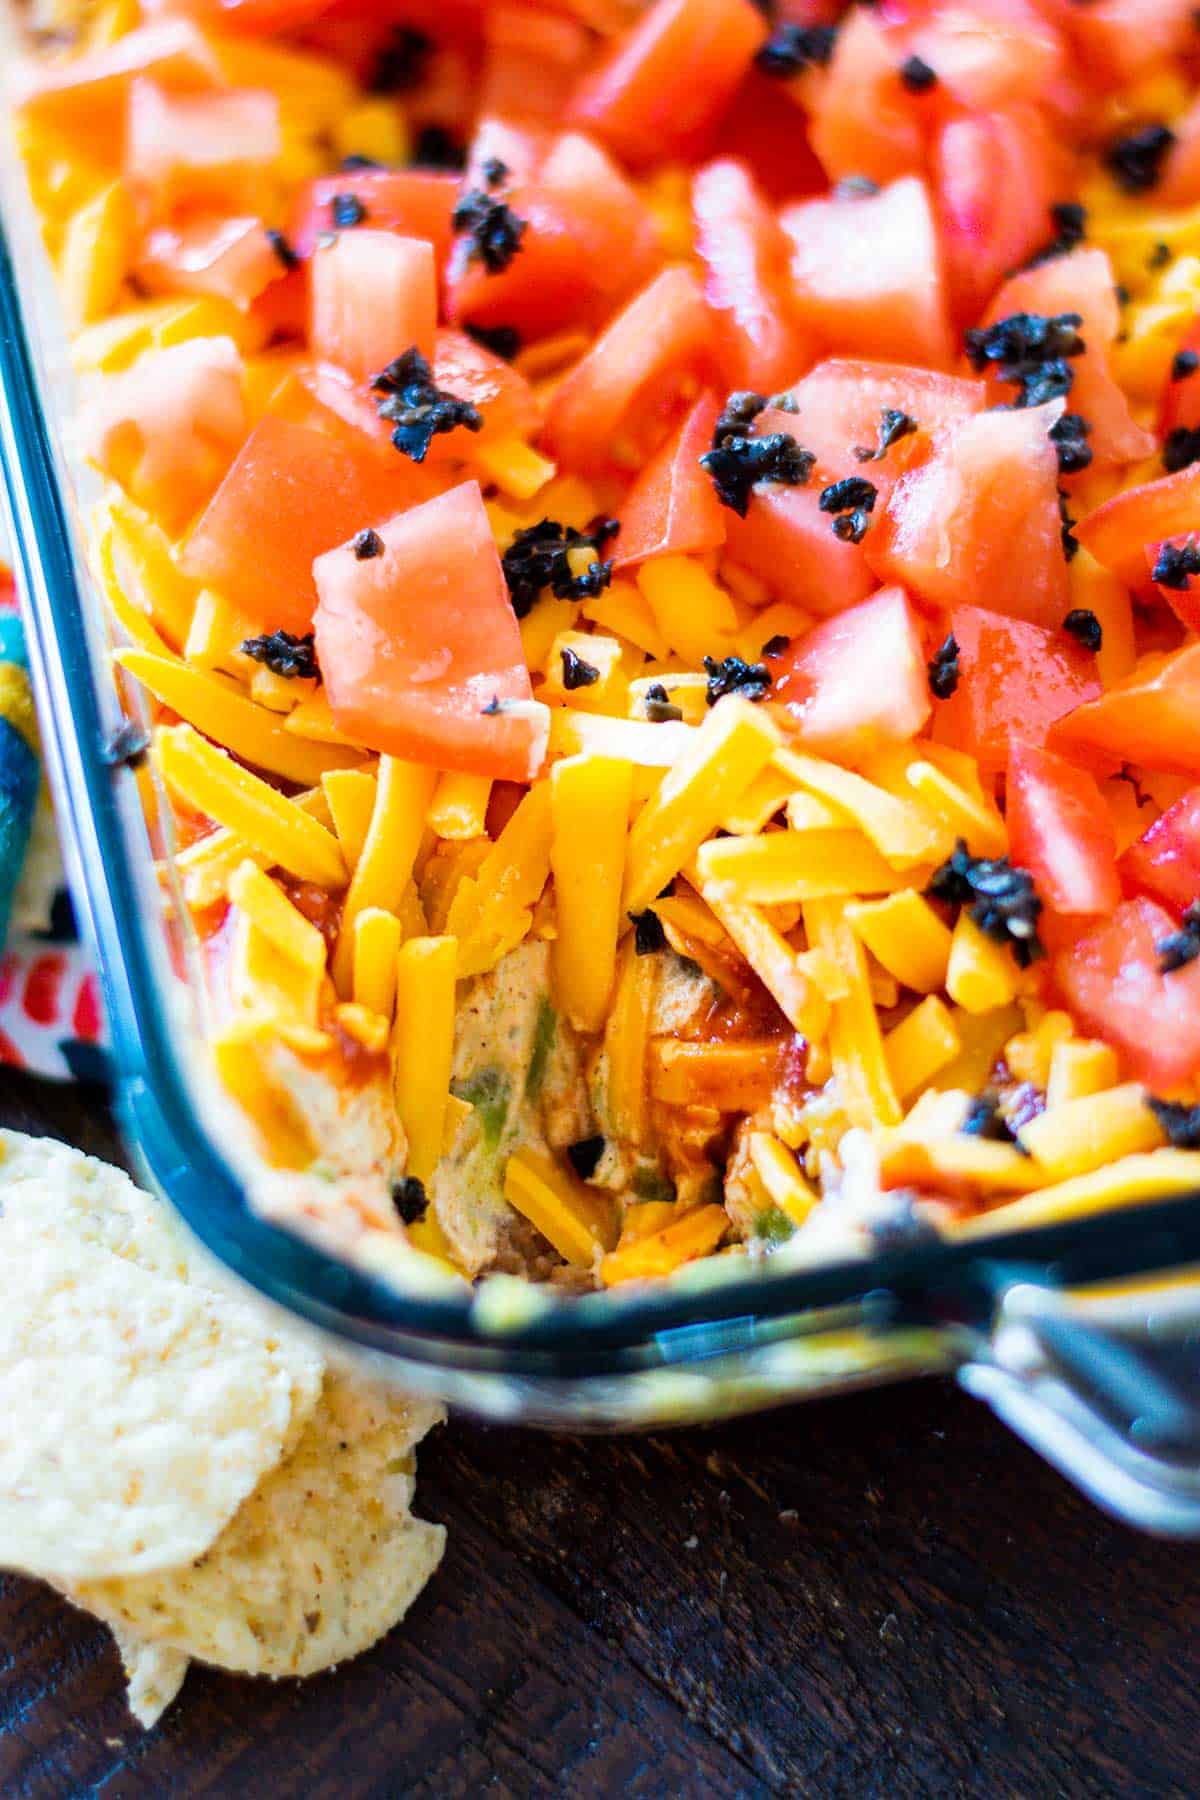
(1108, 1390)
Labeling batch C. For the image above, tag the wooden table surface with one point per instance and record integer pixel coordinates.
(878, 1595)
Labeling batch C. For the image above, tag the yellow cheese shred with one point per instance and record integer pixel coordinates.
(423, 1046)
(589, 805)
(402, 798)
(577, 1220)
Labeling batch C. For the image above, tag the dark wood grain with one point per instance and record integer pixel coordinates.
(881, 1595)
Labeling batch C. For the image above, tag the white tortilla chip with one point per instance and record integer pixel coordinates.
(320, 1562)
(60, 1193)
(136, 1414)
(153, 1675)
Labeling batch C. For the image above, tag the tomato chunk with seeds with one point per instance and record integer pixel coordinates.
(662, 88)
(419, 645)
(1060, 829)
(417, 202)
(1113, 982)
(1015, 679)
(866, 273)
(981, 517)
(671, 509)
(857, 683)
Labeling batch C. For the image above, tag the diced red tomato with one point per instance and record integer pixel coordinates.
(417, 202)
(986, 61)
(866, 274)
(995, 177)
(672, 508)
(589, 240)
(1060, 829)
(856, 683)
(745, 255)
(292, 492)
(258, 16)
(233, 258)
(619, 390)
(661, 90)
(1180, 182)
(200, 149)
(839, 411)
(1165, 861)
(1152, 717)
(981, 518)
(1083, 283)
(1111, 979)
(764, 115)
(416, 644)
(374, 296)
(1015, 679)
(1118, 533)
(167, 427)
(532, 61)
(789, 543)
(864, 121)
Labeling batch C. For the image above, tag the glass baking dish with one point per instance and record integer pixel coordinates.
(1105, 1384)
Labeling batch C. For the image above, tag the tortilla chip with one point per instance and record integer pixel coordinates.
(62, 1193)
(153, 1675)
(136, 1414)
(320, 1562)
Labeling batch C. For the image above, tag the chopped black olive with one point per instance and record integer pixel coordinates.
(401, 64)
(346, 211)
(733, 675)
(493, 707)
(1135, 162)
(406, 397)
(367, 544)
(1069, 437)
(1176, 564)
(538, 558)
(1181, 447)
(846, 495)
(1083, 624)
(1070, 543)
(1000, 899)
(944, 670)
(791, 48)
(601, 528)
(284, 654)
(128, 745)
(437, 148)
(917, 76)
(851, 527)
(736, 418)
(283, 249)
(357, 161)
(902, 1227)
(584, 1156)
(495, 173)
(855, 187)
(1180, 1122)
(893, 426)
(501, 340)
(490, 229)
(575, 672)
(658, 706)
(1029, 350)
(1070, 228)
(648, 933)
(1180, 947)
(1159, 257)
(984, 1119)
(1183, 364)
(775, 646)
(738, 459)
(1123, 297)
(410, 1199)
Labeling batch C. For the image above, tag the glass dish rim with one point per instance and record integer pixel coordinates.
(585, 1334)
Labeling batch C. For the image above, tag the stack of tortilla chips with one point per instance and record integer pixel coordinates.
(177, 1461)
